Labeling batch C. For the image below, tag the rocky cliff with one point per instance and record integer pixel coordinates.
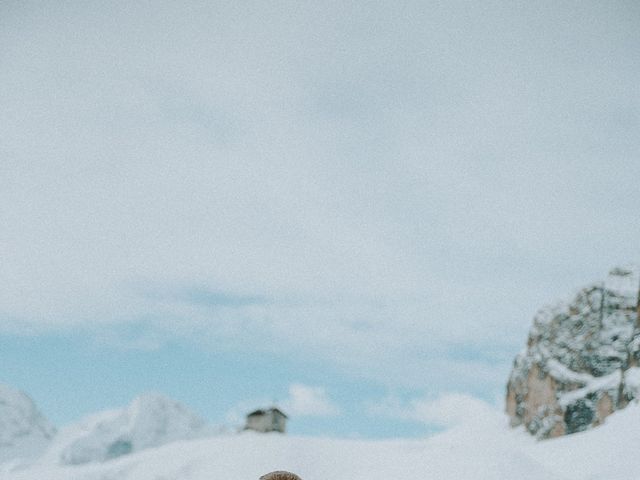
(581, 359)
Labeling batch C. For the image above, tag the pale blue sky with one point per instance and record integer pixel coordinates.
(366, 202)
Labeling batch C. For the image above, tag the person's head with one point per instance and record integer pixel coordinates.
(280, 475)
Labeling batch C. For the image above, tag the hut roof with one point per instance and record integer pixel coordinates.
(264, 411)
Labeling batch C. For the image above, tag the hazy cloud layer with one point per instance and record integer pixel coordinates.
(399, 185)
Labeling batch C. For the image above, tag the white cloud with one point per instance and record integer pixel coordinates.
(447, 410)
(452, 409)
(309, 401)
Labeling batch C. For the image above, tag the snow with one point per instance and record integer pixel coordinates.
(24, 432)
(632, 382)
(596, 384)
(608, 452)
(150, 420)
(624, 282)
(560, 372)
(482, 449)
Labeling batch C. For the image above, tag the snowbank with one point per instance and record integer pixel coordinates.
(486, 450)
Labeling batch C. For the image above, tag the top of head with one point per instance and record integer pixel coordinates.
(280, 475)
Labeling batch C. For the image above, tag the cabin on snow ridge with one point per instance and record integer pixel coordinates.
(267, 420)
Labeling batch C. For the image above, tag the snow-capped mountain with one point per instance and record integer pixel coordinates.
(581, 361)
(24, 432)
(149, 421)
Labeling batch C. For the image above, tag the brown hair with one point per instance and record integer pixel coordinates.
(280, 475)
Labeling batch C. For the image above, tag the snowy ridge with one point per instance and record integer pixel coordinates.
(24, 432)
(149, 421)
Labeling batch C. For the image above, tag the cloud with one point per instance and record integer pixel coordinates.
(415, 183)
(445, 411)
(309, 401)
(452, 409)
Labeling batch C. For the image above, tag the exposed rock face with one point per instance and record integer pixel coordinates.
(581, 360)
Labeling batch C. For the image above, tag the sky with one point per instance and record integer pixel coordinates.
(350, 209)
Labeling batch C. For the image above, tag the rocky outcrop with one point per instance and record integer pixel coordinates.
(581, 359)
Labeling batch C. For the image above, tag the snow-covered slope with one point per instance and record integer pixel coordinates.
(24, 432)
(485, 449)
(149, 421)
